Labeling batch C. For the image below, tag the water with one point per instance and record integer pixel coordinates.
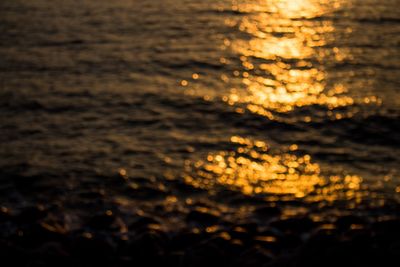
(162, 107)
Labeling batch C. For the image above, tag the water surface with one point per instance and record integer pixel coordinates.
(160, 107)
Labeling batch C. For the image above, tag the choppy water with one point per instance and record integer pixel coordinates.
(160, 106)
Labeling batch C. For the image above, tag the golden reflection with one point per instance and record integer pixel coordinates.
(252, 169)
(287, 8)
(283, 61)
(184, 83)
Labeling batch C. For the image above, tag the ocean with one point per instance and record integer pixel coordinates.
(168, 109)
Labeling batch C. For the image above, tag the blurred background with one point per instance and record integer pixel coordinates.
(198, 117)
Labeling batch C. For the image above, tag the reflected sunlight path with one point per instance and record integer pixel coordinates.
(252, 169)
(284, 51)
(283, 58)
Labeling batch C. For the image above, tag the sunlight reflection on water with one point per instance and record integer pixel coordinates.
(252, 169)
(283, 53)
(283, 59)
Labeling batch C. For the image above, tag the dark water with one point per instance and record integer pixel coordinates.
(163, 107)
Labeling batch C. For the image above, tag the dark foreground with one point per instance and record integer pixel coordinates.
(35, 237)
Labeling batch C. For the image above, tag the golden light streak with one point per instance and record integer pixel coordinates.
(252, 169)
(283, 61)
